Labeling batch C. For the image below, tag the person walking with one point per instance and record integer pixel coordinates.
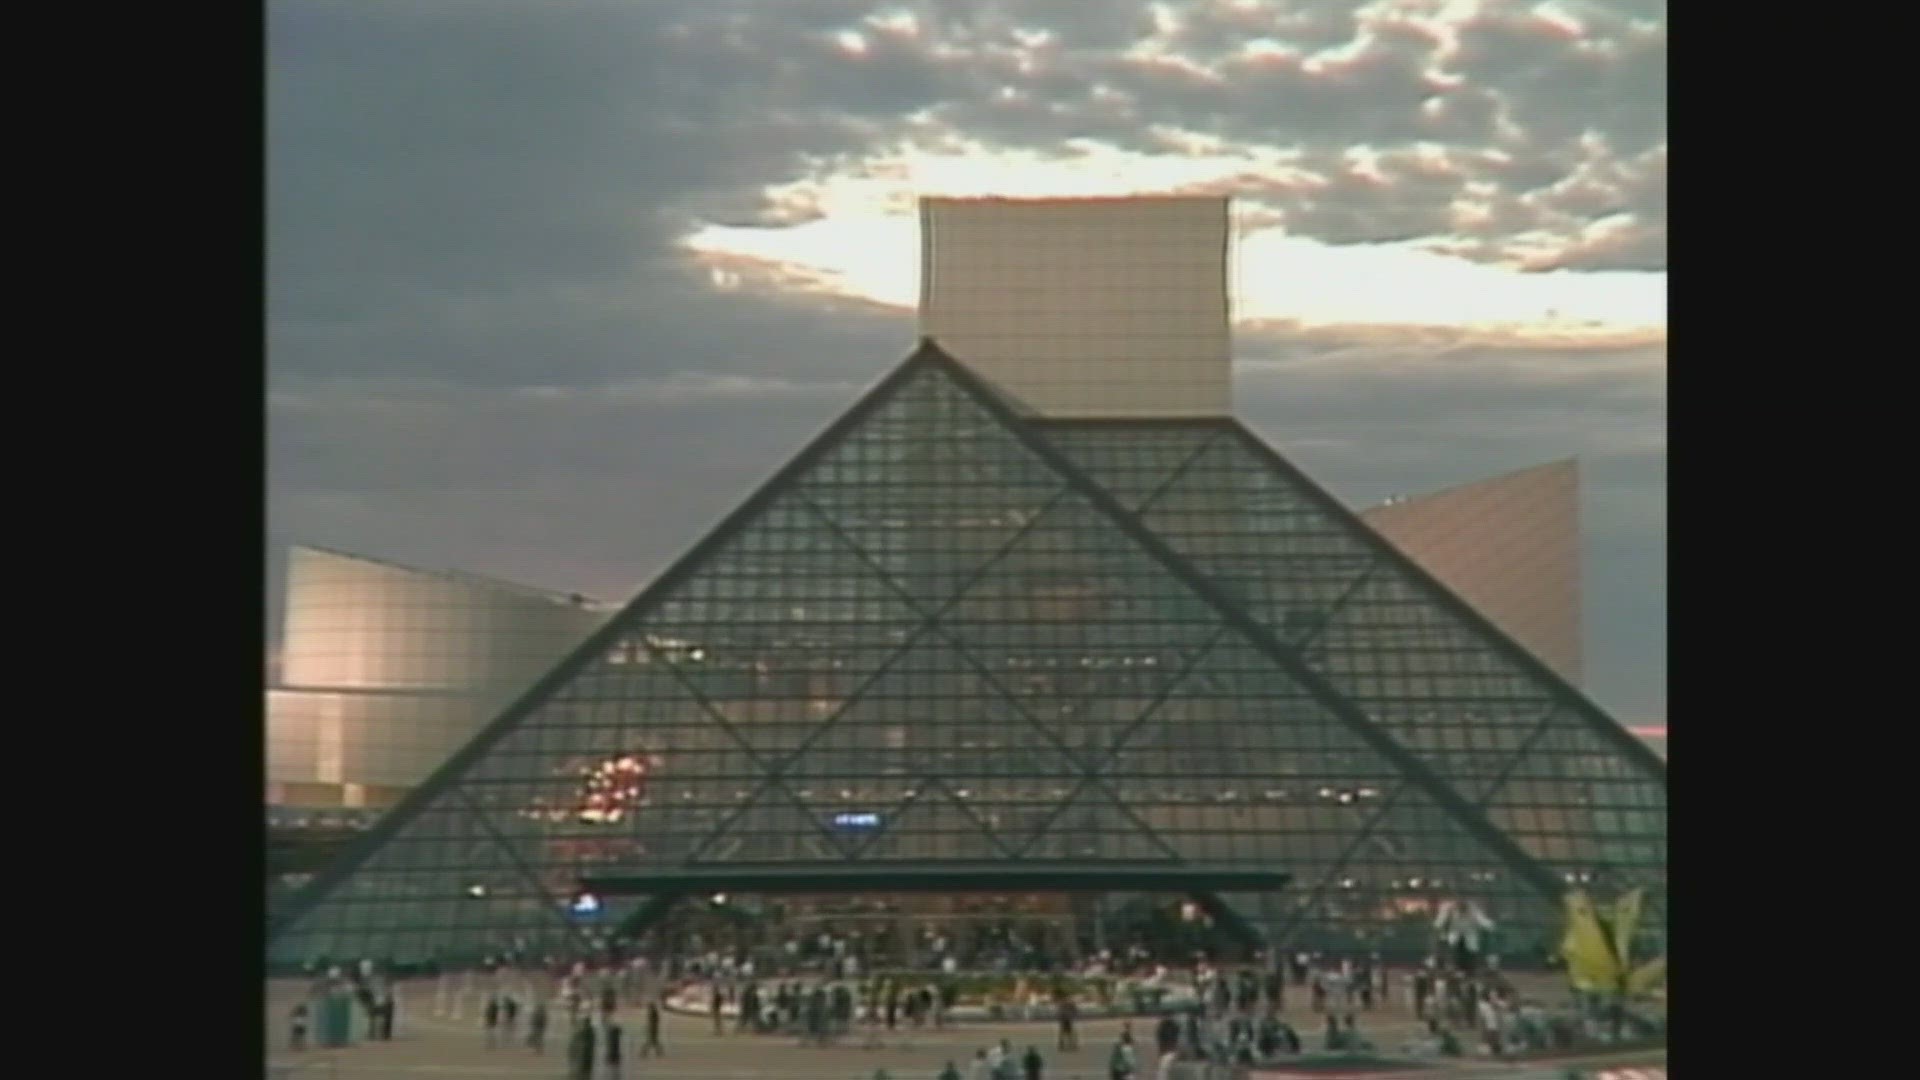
(1491, 1024)
(613, 1036)
(950, 1072)
(749, 1019)
(1120, 1061)
(537, 1027)
(1031, 1064)
(1068, 1039)
(652, 1045)
(490, 1016)
(713, 1006)
(297, 1027)
(1335, 1040)
(1004, 1065)
(580, 1051)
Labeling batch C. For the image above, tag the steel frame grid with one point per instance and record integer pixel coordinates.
(1126, 521)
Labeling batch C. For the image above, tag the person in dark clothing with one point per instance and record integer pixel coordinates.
(580, 1052)
(1031, 1063)
(841, 1010)
(1069, 1039)
(713, 1006)
(607, 1000)
(893, 1006)
(297, 1022)
(816, 1016)
(652, 1045)
(612, 1037)
(749, 1009)
(1167, 1035)
(537, 1027)
(490, 1016)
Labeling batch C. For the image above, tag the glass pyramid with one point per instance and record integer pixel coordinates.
(976, 635)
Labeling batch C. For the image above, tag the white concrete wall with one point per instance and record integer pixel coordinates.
(1084, 307)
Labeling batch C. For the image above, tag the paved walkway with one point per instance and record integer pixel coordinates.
(426, 1046)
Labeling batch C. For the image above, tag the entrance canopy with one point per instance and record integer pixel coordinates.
(901, 877)
(1204, 883)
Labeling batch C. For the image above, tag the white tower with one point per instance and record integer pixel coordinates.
(1084, 307)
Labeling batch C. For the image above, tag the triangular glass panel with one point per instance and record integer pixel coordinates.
(776, 824)
(1091, 825)
(937, 825)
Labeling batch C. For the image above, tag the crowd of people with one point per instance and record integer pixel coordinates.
(816, 992)
(587, 1004)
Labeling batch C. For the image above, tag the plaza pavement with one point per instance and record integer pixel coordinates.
(428, 1046)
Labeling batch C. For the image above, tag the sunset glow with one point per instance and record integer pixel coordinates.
(852, 232)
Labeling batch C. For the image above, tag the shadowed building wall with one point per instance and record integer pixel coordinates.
(1510, 546)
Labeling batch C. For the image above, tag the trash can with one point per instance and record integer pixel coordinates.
(333, 1021)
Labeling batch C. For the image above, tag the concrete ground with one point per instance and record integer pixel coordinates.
(429, 1041)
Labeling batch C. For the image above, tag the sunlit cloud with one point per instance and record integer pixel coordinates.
(851, 231)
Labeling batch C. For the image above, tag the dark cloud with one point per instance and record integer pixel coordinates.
(1082, 27)
(1611, 79)
(490, 193)
(1534, 89)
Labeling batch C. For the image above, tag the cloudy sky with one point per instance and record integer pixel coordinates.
(554, 283)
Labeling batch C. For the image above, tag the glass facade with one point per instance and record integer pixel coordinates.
(948, 631)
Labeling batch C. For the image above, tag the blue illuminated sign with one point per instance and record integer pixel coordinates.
(864, 819)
